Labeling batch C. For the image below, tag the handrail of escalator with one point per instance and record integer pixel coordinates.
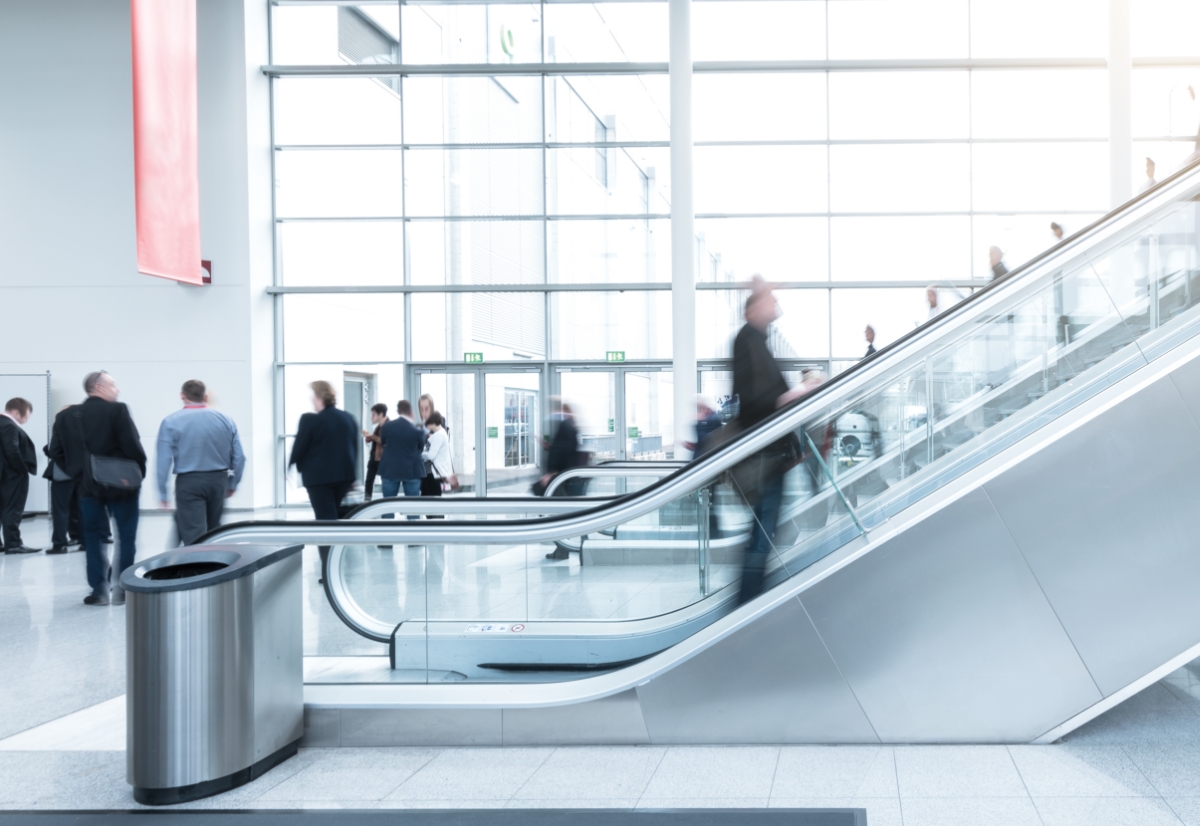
(497, 505)
(710, 467)
(657, 471)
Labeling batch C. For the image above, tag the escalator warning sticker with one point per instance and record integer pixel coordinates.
(518, 627)
(489, 628)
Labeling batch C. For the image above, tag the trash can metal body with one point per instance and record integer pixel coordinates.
(215, 669)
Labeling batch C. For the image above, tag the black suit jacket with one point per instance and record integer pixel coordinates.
(19, 457)
(403, 442)
(757, 381)
(106, 429)
(67, 449)
(564, 448)
(326, 448)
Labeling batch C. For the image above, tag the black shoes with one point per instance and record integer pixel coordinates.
(22, 549)
(558, 555)
(97, 598)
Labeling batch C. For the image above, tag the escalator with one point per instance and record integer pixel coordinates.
(989, 537)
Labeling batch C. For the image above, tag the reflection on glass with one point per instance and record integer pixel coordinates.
(606, 32)
(649, 415)
(600, 108)
(635, 323)
(462, 33)
(473, 182)
(514, 432)
(475, 252)
(333, 34)
(592, 397)
(615, 250)
(453, 110)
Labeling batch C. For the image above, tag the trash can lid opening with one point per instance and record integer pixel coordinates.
(185, 570)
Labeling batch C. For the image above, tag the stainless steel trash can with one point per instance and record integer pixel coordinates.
(215, 668)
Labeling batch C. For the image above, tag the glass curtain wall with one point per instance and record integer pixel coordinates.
(503, 198)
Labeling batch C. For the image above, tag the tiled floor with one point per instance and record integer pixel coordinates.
(1138, 764)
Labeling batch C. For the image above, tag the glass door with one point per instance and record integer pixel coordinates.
(591, 396)
(649, 425)
(512, 417)
(454, 396)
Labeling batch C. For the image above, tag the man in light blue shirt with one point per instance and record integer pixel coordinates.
(203, 445)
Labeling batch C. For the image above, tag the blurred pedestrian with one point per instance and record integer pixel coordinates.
(869, 335)
(208, 459)
(1150, 181)
(1057, 231)
(931, 299)
(996, 259)
(403, 443)
(326, 454)
(379, 417)
(708, 422)
(113, 469)
(18, 459)
(760, 389)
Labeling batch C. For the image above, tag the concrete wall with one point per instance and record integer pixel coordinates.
(71, 299)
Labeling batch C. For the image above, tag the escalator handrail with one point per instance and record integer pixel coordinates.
(710, 467)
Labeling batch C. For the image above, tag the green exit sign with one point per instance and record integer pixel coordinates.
(473, 358)
(611, 425)
(493, 432)
(614, 355)
(634, 433)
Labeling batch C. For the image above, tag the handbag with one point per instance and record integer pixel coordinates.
(752, 475)
(450, 483)
(115, 475)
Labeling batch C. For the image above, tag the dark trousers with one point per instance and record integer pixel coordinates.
(199, 503)
(64, 507)
(766, 515)
(95, 525)
(14, 489)
(325, 500)
(372, 472)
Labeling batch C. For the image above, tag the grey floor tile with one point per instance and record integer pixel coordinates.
(703, 803)
(350, 774)
(1105, 811)
(70, 780)
(1065, 771)
(593, 773)
(1173, 770)
(957, 771)
(1187, 809)
(472, 774)
(835, 771)
(714, 772)
(970, 811)
(881, 811)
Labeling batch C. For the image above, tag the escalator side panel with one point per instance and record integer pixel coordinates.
(944, 635)
(1107, 517)
(770, 682)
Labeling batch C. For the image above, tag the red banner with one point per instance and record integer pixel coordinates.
(165, 139)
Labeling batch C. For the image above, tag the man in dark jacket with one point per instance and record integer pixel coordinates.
(326, 454)
(64, 484)
(107, 431)
(18, 459)
(401, 465)
(760, 389)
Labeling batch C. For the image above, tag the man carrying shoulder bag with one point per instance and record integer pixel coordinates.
(113, 470)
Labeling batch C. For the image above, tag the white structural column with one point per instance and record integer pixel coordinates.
(1120, 104)
(683, 225)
